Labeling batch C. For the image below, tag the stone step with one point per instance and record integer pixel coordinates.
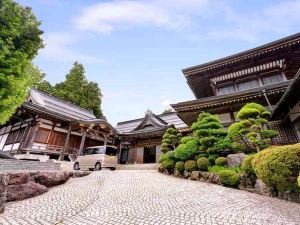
(148, 166)
(15, 164)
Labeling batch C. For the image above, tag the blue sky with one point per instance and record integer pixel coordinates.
(135, 50)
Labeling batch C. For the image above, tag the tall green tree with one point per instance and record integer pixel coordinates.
(20, 40)
(78, 90)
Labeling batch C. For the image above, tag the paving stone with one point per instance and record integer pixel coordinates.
(147, 197)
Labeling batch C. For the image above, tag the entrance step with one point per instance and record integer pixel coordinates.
(146, 166)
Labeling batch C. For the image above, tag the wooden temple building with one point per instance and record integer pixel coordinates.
(48, 127)
(260, 75)
(141, 138)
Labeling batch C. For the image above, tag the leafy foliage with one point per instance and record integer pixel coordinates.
(187, 151)
(247, 165)
(179, 166)
(20, 40)
(229, 178)
(250, 134)
(203, 163)
(168, 164)
(209, 131)
(167, 111)
(221, 161)
(216, 169)
(278, 167)
(169, 155)
(78, 90)
(190, 165)
(170, 140)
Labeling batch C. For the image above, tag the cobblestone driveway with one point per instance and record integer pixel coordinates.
(147, 197)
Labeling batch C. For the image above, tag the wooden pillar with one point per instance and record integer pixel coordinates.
(267, 99)
(33, 134)
(62, 154)
(82, 142)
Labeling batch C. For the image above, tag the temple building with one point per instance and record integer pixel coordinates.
(260, 75)
(141, 138)
(48, 127)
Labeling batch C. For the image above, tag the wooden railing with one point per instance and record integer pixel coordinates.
(53, 148)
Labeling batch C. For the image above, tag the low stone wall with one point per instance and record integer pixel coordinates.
(15, 164)
(15, 186)
(246, 183)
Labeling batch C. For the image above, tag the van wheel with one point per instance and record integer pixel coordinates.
(112, 168)
(98, 166)
(76, 166)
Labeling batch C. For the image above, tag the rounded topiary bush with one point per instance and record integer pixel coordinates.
(247, 165)
(229, 178)
(203, 163)
(221, 161)
(190, 165)
(168, 164)
(278, 167)
(179, 166)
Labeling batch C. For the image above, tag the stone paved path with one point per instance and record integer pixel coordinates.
(147, 197)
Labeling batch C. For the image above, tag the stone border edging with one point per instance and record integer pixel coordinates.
(20, 185)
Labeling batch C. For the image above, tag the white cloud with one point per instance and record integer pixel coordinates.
(107, 17)
(60, 47)
(250, 26)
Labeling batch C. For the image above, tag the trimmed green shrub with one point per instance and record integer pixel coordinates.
(168, 164)
(209, 131)
(170, 140)
(179, 166)
(190, 165)
(187, 151)
(203, 163)
(278, 167)
(221, 161)
(186, 139)
(229, 178)
(299, 180)
(247, 165)
(250, 134)
(169, 155)
(216, 169)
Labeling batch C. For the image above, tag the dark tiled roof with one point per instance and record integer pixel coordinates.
(58, 106)
(167, 118)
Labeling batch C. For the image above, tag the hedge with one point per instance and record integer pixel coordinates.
(229, 178)
(179, 166)
(221, 161)
(190, 165)
(278, 167)
(203, 163)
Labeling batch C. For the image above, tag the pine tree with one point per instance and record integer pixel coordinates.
(209, 131)
(250, 132)
(170, 141)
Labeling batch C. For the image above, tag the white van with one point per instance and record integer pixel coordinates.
(98, 157)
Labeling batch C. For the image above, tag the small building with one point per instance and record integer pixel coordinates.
(46, 126)
(141, 138)
(260, 75)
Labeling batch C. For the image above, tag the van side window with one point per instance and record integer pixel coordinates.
(111, 151)
(89, 151)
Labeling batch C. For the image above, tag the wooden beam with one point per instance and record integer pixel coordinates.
(62, 155)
